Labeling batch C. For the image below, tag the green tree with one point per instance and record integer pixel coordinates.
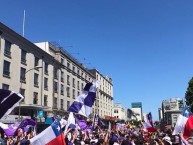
(189, 95)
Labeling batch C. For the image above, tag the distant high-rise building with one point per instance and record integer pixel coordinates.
(136, 107)
(171, 109)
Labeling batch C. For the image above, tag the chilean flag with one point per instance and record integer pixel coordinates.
(184, 123)
(50, 136)
(148, 125)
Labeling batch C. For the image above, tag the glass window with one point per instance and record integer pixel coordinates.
(55, 102)
(68, 104)
(62, 104)
(23, 56)
(62, 89)
(68, 91)
(73, 68)
(7, 50)
(73, 94)
(35, 98)
(36, 79)
(45, 100)
(68, 65)
(6, 68)
(62, 76)
(36, 63)
(68, 79)
(73, 82)
(22, 74)
(55, 87)
(55, 73)
(62, 61)
(46, 68)
(5, 86)
(45, 83)
(78, 85)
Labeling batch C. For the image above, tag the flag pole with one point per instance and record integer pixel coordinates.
(23, 23)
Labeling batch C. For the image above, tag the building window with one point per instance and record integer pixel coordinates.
(35, 99)
(46, 68)
(62, 89)
(45, 100)
(78, 85)
(22, 92)
(23, 56)
(7, 50)
(68, 104)
(22, 74)
(78, 71)
(55, 87)
(68, 91)
(5, 87)
(115, 111)
(68, 80)
(55, 103)
(55, 73)
(62, 61)
(45, 83)
(36, 62)
(78, 93)
(36, 80)
(73, 94)
(68, 65)
(73, 68)
(62, 76)
(73, 82)
(6, 69)
(61, 104)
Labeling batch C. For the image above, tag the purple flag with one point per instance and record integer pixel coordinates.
(11, 129)
(82, 124)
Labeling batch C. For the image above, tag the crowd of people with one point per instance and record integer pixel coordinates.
(99, 136)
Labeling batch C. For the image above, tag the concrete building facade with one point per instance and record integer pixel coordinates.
(171, 108)
(104, 99)
(136, 107)
(119, 111)
(46, 75)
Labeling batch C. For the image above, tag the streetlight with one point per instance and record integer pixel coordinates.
(23, 77)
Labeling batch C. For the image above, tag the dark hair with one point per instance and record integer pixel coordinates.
(27, 142)
(87, 141)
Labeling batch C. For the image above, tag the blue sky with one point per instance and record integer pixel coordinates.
(146, 46)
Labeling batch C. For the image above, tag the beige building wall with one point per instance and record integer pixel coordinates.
(119, 111)
(59, 79)
(104, 99)
(58, 67)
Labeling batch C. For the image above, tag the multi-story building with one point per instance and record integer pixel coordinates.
(69, 76)
(119, 111)
(160, 114)
(104, 99)
(136, 107)
(171, 108)
(46, 75)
